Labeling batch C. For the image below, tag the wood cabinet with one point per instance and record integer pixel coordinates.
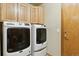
(8, 12)
(21, 12)
(37, 15)
(24, 13)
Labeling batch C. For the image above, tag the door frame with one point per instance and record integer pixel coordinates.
(62, 32)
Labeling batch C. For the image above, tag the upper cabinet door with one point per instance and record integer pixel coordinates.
(24, 13)
(8, 12)
(37, 14)
(41, 15)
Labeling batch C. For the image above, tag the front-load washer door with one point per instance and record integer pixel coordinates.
(41, 35)
(17, 39)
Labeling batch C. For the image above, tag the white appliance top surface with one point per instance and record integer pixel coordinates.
(39, 25)
(16, 24)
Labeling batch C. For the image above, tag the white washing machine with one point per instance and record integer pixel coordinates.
(15, 39)
(38, 40)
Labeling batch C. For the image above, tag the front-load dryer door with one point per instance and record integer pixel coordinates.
(18, 41)
(41, 35)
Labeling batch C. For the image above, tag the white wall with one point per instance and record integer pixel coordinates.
(52, 19)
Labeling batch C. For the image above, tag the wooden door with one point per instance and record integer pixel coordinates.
(37, 14)
(24, 13)
(8, 12)
(70, 29)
